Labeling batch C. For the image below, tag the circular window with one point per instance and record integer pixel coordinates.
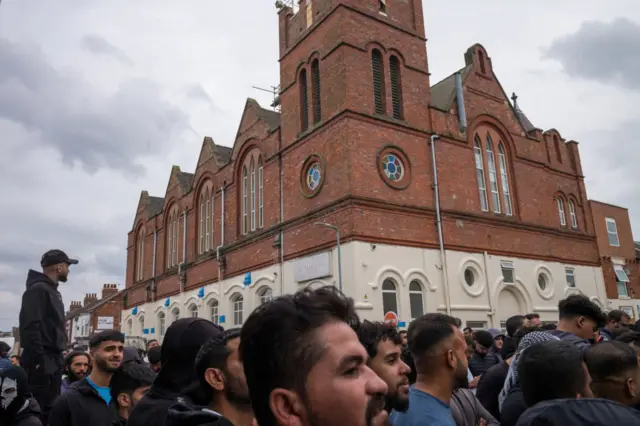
(545, 287)
(394, 167)
(542, 282)
(312, 175)
(469, 277)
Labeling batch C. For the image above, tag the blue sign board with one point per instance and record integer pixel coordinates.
(247, 279)
(167, 302)
(221, 319)
(402, 324)
(134, 311)
(201, 293)
(153, 330)
(145, 331)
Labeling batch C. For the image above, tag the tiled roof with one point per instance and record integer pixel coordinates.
(272, 118)
(443, 93)
(185, 180)
(224, 152)
(155, 206)
(526, 124)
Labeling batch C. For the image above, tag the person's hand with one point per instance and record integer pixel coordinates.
(380, 419)
(482, 422)
(474, 383)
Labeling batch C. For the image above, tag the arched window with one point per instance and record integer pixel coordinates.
(176, 314)
(482, 186)
(556, 144)
(396, 87)
(493, 178)
(161, 324)
(237, 303)
(266, 294)
(260, 194)
(245, 201)
(504, 180)
(563, 218)
(315, 91)
(304, 104)
(572, 215)
(213, 305)
(416, 300)
(193, 310)
(140, 255)
(130, 327)
(389, 296)
(377, 66)
(252, 183)
(205, 225)
(172, 238)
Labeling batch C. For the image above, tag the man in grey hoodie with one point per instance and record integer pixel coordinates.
(578, 319)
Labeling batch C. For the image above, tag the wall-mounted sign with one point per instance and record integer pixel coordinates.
(105, 323)
(312, 267)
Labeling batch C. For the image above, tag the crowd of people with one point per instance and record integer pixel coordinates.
(308, 360)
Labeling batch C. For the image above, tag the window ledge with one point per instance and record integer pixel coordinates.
(624, 297)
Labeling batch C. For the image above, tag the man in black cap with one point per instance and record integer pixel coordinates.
(43, 335)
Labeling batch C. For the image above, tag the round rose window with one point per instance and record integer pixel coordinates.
(393, 167)
(314, 176)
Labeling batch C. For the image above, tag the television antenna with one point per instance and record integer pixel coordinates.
(280, 4)
(275, 91)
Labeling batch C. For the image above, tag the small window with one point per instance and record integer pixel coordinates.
(304, 103)
(508, 272)
(193, 311)
(503, 325)
(396, 87)
(469, 277)
(571, 278)
(415, 299)
(543, 282)
(238, 309)
(612, 232)
(266, 295)
(377, 67)
(161, 324)
(382, 6)
(477, 325)
(176, 314)
(572, 215)
(563, 218)
(215, 318)
(389, 296)
(622, 278)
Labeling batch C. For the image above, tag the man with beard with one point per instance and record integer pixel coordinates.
(221, 375)
(76, 365)
(87, 402)
(43, 335)
(128, 386)
(17, 407)
(438, 348)
(383, 343)
(305, 366)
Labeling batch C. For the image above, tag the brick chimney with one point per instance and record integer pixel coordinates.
(75, 305)
(109, 290)
(90, 299)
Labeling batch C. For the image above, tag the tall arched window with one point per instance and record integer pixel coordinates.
(416, 301)
(572, 215)
(265, 294)
(193, 310)
(504, 180)
(140, 255)
(396, 87)
(315, 91)
(377, 66)
(493, 177)
(252, 183)
(161, 324)
(213, 305)
(130, 327)
(141, 323)
(175, 314)
(482, 186)
(237, 303)
(563, 218)
(389, 296)
(245, 201)
(260, 194)
(205, 225)
(304, 104)
(172, 230)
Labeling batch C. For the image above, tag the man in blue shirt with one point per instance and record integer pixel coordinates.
(438, 348)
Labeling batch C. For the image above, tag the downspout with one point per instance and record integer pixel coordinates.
(462, 114)
(443, 258)
(281, 228)
(184, 236)
(153, 272)
(486, 277)
(224, 185)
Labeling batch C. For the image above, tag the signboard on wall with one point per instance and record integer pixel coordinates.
(312, 267)
(105, 323)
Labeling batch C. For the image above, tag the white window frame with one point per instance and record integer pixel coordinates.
(140, 256)
(175, 314)
(245, 200)
(570, 277)
(493, 177)
(252, 183)
(260, 194)
(476, 325)
(161, 324)
(395, 295)
(201, 224)
(621, 274)
(266, 295)
(572, 214)
(238, 309)
(504, 177)
(215, 311)
(419, 292)
(169, 245)
(614, 233)
(509, 266)
(482, 184)
(212, 234)
(207, 226)
(563, 217)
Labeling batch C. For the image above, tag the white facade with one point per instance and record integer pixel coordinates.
(476, 283)
(80, 327)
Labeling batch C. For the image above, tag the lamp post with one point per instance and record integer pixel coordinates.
(335, 228)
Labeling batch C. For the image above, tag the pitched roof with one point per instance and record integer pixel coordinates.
(224, 152)
(271, 118)
(185, 180)
(155, 206)
(443, 93)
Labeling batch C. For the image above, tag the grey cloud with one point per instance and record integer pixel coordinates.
(99, 46)
(198, 93)
(607, 52)
(87, 128)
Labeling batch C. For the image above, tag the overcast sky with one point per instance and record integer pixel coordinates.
(99, 98)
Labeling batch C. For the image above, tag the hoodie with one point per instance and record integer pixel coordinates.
(177, 377)
(181, 414)
(22, 409)
(42, 323)
(579, 412)
(578, 342)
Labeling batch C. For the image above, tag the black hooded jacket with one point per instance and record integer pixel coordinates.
(181, 414)
(580, 412)
(42, 325)
(81, 405)
(177, 378)
(29, 416)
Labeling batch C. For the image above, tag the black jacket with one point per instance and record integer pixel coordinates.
(489, 387)
(42, 324)
(81, 405)
(29, 416)
(478, 363)
(576, 341)
(181, 414)
(579, 412)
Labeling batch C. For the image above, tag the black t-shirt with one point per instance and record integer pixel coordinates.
(489, 387)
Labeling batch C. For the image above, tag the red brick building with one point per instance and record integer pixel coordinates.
(93, 315)
(351, 147)
(619, 255)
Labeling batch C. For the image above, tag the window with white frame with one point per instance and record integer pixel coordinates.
(570, 276)
(245, 201)
(206, 223)
(130, 327)
(491, 151)
(172, 230)
(572, 214)
(503, 325)
(252, 183)
(141, 322)
(563, 218)
(482, 186)
(260, 194)
(382, 7)
(161, 324)
(416, 301)
(493, 177)
(237, 305)
(504, 179)
(140, 255)
(265, 294)
(193, 310)
(176, 314)
(612, 232)
(622, 278)
(508, 272)
(213, 305)
(477, 325)
(389, 296)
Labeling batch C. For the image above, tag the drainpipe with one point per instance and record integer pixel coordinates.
(224, 185)
(443, 258)
(462, 114)
(281, 228)
(488, 287)
(184, 236)
(153, 272)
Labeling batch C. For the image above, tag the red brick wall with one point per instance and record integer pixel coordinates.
(601, 211)
(112, 308)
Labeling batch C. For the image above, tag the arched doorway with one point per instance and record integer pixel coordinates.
(510, 303)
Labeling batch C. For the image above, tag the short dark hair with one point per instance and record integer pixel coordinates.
(551, 370)
(68, 360)
(514, 323)
(610, 359)
(106, 336)
(154, 355)
(484, 338)
(630, 337)
(278, 342)
(130, 377)
(426, 333)
(214, 354)
(4, 348)
(578, 305)
(532, 315)
(15, 356)
(548, 326)
(616, 315)
(371, 333)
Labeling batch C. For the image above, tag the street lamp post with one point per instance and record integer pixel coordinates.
(335, 228)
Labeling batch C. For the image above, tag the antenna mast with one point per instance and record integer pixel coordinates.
(275, 91)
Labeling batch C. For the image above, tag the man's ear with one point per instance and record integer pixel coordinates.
(287, 407)
(215, 379)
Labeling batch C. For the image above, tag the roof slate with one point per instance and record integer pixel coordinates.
(443, 93)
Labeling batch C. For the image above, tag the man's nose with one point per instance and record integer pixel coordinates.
(375, 385)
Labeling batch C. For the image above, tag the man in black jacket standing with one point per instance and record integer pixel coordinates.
(43, 335)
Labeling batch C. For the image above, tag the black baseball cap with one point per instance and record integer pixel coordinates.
(54, 257)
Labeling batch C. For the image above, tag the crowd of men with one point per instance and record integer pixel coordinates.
(308, 360)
